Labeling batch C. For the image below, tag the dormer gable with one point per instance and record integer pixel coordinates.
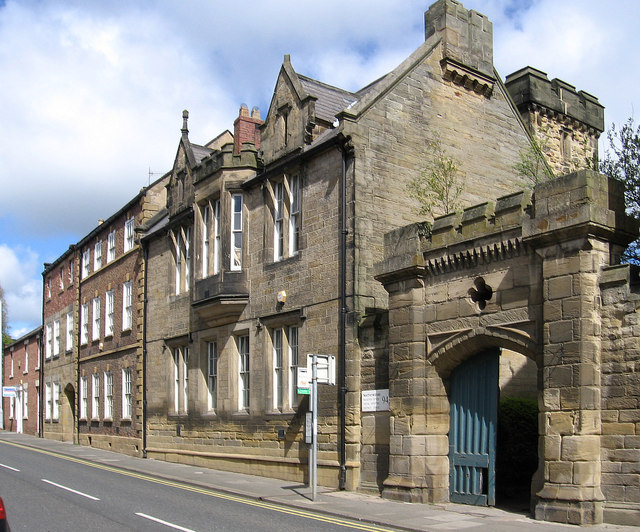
(290, 121)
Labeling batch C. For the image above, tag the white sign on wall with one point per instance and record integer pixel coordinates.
(9, 391)
(375, 400)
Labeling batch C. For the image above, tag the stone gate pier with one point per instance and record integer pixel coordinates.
(537, 273)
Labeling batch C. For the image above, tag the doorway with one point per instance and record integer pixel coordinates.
(474, 394)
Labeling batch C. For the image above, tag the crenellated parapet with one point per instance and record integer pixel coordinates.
(531, 88)
(481, 234)
(226, 158)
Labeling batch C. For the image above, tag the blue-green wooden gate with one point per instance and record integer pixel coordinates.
(472, 432)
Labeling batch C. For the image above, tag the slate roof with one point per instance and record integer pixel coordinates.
(200, 152)
(330, 100)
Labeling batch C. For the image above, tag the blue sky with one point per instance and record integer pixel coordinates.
(92, 92)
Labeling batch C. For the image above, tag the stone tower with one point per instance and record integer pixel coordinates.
(566, 123)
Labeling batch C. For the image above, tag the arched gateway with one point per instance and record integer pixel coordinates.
(529, 276)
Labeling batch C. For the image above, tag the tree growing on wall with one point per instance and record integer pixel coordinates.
(532, 166)
(438, 187)
(6, 339)
(622, 162)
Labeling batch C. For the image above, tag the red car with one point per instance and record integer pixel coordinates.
(4, 524)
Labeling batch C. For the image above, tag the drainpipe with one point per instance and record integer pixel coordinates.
(144, 349)
(78, 313)
(41, 365)
(342, 383)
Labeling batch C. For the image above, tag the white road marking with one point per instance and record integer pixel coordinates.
(71, 490)
(166, 523)
(9, 467)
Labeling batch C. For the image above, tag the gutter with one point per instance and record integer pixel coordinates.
(144, 348)
(342, 377)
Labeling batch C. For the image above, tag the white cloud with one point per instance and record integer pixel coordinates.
(22, 284)
(92, 92)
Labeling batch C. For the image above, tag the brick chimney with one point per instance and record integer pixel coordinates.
(245, 128)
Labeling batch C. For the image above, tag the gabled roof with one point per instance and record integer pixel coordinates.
(329, 100)
(200, 152)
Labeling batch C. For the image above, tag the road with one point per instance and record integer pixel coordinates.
(43, 490)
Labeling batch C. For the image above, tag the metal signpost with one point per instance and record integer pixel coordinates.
(322, 371)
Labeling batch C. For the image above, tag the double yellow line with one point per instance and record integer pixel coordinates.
(219, 495)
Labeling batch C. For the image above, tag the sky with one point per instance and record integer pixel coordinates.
(92, 92)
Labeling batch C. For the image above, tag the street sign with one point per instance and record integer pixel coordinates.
(375, 400)
(326, 368)
(9, 391)
(304, 387)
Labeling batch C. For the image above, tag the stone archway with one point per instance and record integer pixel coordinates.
(523, 275)
(67, 413)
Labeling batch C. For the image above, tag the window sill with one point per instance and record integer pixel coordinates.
(270, 264)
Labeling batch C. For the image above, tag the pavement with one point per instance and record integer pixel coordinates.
(358, 506)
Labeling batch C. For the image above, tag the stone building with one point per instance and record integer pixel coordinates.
(536, 275)
(297, 235)
(59, 368)
(271, 255)
(110, 326)
(22, 371)
(566, 123)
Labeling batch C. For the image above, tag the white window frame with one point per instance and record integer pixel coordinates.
(109, 306)
(206, 239)
(97, 256)
(237, 202)
(49, 288)
(84, 324)
(86, 260)
(129, 234)
(278, 221)
(69, 342)
(11, 367)
(217, 251)
(212, 376)
(95, 328)
(127, 399)
(95, 396)
(71, 272)
(84, 397)
(127, 305)
(278, 369)
(108, 395)
(185, 378)
(55, 402)
(25, 370)
(244, 373)
(56, 337)
(293, 335)
(176, 379)
(294, 215)
(187, 258)
(48, 341)
(47, 398)
(25, 401)
(61, 280)
(111, 246)
(182, 238)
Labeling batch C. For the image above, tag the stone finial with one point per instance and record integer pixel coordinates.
(185, 119)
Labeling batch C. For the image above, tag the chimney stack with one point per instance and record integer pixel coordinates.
(467, 35)
(245, 128)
